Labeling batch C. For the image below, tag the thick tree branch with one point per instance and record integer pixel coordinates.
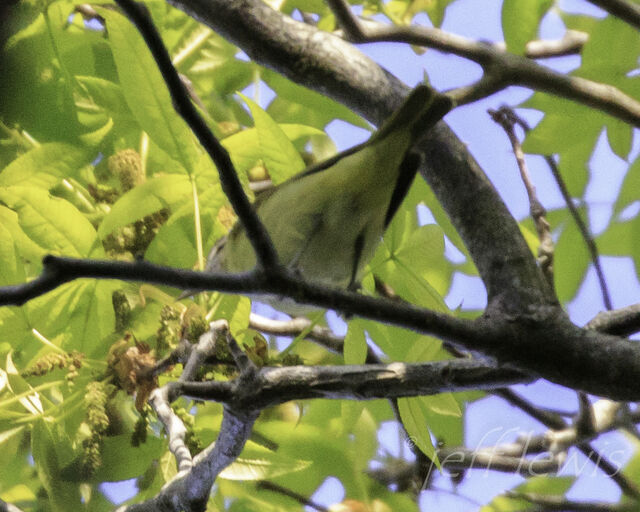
(545, 344)
(334, 67)
(273, 386)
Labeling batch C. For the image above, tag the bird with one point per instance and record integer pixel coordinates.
(326, 222)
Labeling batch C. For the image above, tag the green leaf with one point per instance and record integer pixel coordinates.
(620, 137)
(443, 404)
(245, 149)
(259, 463)
(146, 92)
(350, 414)
(51, 222)
(537, 485)
(520, 20)
(121, 461)
(556, 134)
(106, 94)
(630, 190)
(45, 165)
(434, 8)
(414, 418)
(11, 267)
(235, 309)
(81, 310)
(276, 150)
(355, 344)
(179, 231)
(571, 262)
(410, 259)
(297, 104)
(393, 341)
(149, 197)
(46, 447)
(27, 247)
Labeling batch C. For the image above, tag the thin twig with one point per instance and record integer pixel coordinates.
(582, 227)
(501, 69)
(560, 503)
(506, 118)
(302, 500)
(258, 236)
(584, 231)
(571, 43)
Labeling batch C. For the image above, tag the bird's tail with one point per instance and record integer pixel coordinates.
(421, 110)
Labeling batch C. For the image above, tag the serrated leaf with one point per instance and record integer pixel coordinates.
(146, 92)
(149, 197)
(51, 222)
(520, 21)
(276, 150)
(44, 166)
(415, 420)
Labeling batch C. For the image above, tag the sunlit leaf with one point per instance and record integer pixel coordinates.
(355, 344)
(50, 222)
(415, 422)
(145, 91)
(520, 20)
(149, 197)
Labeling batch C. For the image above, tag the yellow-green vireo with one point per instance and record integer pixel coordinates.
(327, 221)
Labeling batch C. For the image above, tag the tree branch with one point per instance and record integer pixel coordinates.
(501, 69)
(622, 322)
(560, 503)
(506, 118)
(571, 43)
(257, 234)
(273, 386)
(190, 489)
(626, 11)
(582, 227)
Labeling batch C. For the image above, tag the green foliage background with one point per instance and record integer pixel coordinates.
(96, 164)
